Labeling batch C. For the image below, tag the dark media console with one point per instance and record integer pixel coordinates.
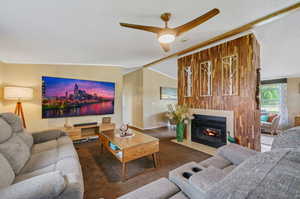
(85, 124)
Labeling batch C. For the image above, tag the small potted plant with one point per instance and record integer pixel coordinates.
(178, 114)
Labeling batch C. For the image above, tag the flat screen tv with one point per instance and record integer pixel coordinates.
(64, 97)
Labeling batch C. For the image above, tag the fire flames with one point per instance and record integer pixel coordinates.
(210, 132)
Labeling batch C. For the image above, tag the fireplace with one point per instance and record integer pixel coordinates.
(209, 130)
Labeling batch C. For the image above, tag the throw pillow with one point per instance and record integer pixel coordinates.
(271, 117)
(264, 118)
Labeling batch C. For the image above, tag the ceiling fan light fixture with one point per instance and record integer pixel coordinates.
(166, 38)
(167, 35)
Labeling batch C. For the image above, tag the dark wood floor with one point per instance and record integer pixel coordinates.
(101, 172)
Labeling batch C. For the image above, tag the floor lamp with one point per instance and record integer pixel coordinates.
(19, 94)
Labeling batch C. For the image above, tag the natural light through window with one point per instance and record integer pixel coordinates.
(270, 98)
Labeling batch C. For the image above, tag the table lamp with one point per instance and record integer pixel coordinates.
(19, 94)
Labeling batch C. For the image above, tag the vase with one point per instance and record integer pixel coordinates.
(180, 131)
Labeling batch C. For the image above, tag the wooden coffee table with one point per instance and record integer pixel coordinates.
(130, 148)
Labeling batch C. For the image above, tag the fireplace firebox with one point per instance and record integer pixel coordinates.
(209, 130)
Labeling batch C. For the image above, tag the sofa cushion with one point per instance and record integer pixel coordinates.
(64, 140)
(179, 195)
(16, 152)
(65, 151)
(228, 169)
(235, 153)
(50, 185)
(65, 166)
(44, 146)
(40, 160)
(74, 189)
(177, 177)
(287, 139)
(271, 175)
(37, 172)
(51, 160)
(52, 144)
(159, 189)
(27, 138)
(266, 124)
(70, 166)
(216, 161)
(204, 179)
(13, 120)
(6, 172)
(5, 130)
(50, 152)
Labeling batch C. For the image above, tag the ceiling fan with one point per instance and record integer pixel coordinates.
(167, 35)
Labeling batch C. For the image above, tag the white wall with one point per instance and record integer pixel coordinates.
(293, 99)
(1, 82)
(280, 46)
(167, 67)
(154, 109)
(30, 76)
(133, 98)
(142, 105)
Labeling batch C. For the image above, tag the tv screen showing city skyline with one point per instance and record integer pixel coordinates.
(63, 97)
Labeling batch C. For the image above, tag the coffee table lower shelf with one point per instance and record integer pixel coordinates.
(131, 153)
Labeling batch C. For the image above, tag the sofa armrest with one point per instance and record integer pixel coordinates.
(74, 188)
(49, 185)
(206, 178)
(43, 136)
(235, 153)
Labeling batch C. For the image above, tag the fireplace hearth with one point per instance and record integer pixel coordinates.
(209, 130)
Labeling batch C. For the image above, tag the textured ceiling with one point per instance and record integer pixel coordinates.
(87, 32)
(280, 47)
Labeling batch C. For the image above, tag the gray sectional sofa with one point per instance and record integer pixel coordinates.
(234, 172)
(38, 165)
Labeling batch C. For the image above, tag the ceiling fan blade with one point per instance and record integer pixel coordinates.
(166, 47)
(197, 21)
(141, 27)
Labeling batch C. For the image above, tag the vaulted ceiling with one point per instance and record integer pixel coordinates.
(88, 32)
(280, 46)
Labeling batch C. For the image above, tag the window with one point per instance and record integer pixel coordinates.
(273, 94)
(270, 98)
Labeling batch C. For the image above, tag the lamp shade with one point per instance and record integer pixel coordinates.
(18, 93)
(166, 39)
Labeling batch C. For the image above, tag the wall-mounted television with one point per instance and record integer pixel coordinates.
(63, 97)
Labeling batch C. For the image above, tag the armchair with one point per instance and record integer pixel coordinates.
(271, 127)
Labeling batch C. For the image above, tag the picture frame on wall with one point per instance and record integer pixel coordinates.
(168, 93)
(230, 75)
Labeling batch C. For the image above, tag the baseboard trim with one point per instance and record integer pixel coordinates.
(156, 127)
(144, 129)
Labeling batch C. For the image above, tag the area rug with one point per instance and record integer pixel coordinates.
(102, 172)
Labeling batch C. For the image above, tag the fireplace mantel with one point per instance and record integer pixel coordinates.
(229, 115)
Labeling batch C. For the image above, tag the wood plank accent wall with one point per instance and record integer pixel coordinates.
(245, 105)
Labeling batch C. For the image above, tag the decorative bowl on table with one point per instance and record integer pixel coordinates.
(124, 132)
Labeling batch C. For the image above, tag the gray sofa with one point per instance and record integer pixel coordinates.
(38, 165)
(234, 172)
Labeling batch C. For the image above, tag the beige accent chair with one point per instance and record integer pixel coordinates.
(270, 127)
